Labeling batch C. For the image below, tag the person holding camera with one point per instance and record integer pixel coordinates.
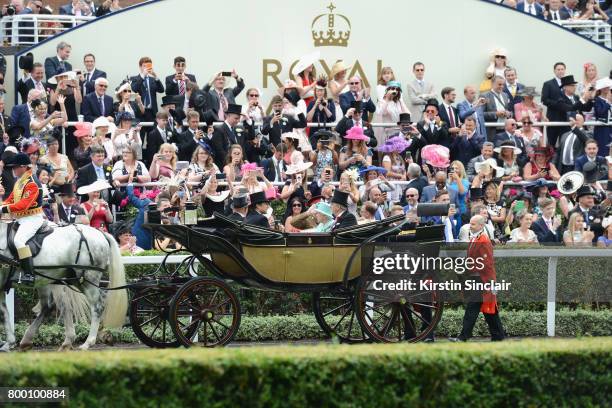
(164, 162)
(221, 97)
(389, 109)
(96, 209)
(321, 110)
(253, 111)
(129, 166)
(177, 84)
(325, 156)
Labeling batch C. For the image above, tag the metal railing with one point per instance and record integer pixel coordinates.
(30, 29)
(553, 255)
(595, 30)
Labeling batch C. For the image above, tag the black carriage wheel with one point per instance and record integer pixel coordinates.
(209, 306)
(149, 308)
(336, 316)
(390, 319)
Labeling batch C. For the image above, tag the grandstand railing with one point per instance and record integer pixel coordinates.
(30, 29)
(596, 30)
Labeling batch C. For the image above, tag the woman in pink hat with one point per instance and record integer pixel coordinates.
(82, 152)
(355, 154)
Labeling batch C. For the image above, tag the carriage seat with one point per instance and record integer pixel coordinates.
(35, 243)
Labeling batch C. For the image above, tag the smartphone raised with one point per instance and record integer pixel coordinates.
(226, 74)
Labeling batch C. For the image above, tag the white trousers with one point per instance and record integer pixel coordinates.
(28, 226)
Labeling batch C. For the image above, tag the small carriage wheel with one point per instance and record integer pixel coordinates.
(210, 306)
(336, 316)
(149, 309)
(390, 319)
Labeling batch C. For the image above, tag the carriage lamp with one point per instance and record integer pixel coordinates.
(191, 213)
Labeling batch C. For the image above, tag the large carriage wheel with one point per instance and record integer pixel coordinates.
(389, 319)
(336, 316)
(149, 309)
(208, 305)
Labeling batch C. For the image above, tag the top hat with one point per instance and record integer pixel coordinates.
(66, 190)
(340, 198)
(585, 190)
(20, 159)
(432, 102)
(171, 100)
(357, 105)
(258, 197)
(292, 96)
(404, 118)
(240, 201)
(476, 193)
(26, 62)
(233, 108)
(567, 80)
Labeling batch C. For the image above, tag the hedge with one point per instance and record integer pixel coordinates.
(519, 374)
(570, 323)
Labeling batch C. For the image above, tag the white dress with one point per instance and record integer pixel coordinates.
(388, 112)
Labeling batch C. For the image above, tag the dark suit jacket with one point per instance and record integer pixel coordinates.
(154, 141)
(222, 138)
(90, 108)
(516, 99)
(345, 124)
(563, 14)
(155, 87)
(255, 218)
(544, 234)
(577, 148)
(23, 87)
(229, 93)
(419, 183)
(569, 106)
(20, 115)
(69, 218)
(52, 67)
(465, 109)
(444, 115)
(347, 98)
(464, 149)
(550, 95)
(539, 9)
(186, 145)
(599, 160)
(346, 219)
(491, 109)
(87, 175)
(438, 135)
(172, 87)
(90, 85)
(270, 170)
(429, 193)
(286, 124)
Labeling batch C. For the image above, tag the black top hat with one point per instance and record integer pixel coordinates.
(590, 171)
(323, 136)
(357, 105)
(27, 62)
(568, 80)
(15, 132)
(240, 201)
(404, 118)
(340, 198)
(233, 108)
(121, 227)
(171, 100)
(476, 193)
(258, 197)
(585, 190)
(292, 96)
(20, 159)
(65, 190)
(432, 102)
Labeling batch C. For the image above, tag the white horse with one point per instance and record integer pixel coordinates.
(62, 248)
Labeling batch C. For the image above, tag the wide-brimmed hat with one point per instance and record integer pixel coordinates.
(240, 201)
(98, 185)
(404, 118)
(123, 87)
(306, 61)
(395, 144)
(125, 115)
(528, 91)
(546, 151)
(541, 182)
(102, 121)
(258, 197)
(570, 182)
(356, 133)
(83, 129)
(508, 144)
(217, 198)
(499, 171)
(26, 62)
(436, 155)
(340, 198)
(297, 164)
(585, 190)
(380, 170)
(65, 190)
(603, 83)
(394, 84)
(324, 208)
(20, 159)
(567, 80)
(337, 68)
(69, 75)
(234, 108)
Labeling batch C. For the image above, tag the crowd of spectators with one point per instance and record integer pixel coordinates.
(561, 10)
(534, 184)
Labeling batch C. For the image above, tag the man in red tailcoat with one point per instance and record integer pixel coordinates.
(480, 247)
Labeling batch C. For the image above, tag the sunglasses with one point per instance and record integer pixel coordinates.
(410, 195)
(353, 83)
(254, 96)
(103, 86)
(513, 124)
(500, 56)
(127, 91)
(430, 111)
(296, 205)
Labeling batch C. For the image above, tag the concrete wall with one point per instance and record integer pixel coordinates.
(453, 38)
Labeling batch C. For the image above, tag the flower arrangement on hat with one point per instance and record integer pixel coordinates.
(436, 156)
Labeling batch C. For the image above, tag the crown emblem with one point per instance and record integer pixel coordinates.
(324, 30)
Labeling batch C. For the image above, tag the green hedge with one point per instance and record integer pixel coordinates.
(304, 327)
(527, 373)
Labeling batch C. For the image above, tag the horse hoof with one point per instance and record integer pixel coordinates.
(106, 337)
(25, 346)
(84, 347)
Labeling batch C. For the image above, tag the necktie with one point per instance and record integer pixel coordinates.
(451, 117)
(101, 102)
(147, 96)
(355, 95)
(62, 67)
(532, 10)
(222, 106)
(171, 122)
(513, 90)
(278, 171)
(87, 77)
(182, 87)
(39, 86)
(100, 173)
(233, 135)
(555, 16)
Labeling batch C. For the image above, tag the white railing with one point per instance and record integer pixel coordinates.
(30, 29)
(596, 30)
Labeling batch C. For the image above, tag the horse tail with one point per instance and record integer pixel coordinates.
(71, 301)
(116, 300)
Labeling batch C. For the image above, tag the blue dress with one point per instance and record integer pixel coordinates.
(143, 237)
(602, 133)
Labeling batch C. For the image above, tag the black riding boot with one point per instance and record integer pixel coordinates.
(27, 263)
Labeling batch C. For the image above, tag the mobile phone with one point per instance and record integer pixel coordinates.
(220, 176)
(148, 66)
(226, 74)
(520, 205)
(180, 165)
(451, 206)
(78, 72)
(277, 112)
(181, 194)
(135, 174)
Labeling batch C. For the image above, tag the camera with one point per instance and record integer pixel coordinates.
(11, 10)
(256, 104)
(323, 103)
(277, 112)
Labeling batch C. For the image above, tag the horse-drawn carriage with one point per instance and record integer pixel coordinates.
(203, 309)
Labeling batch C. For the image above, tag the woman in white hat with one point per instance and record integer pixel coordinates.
(305, 76)
(338, 84)
(498, 61)
(124, 102)
(96, 209)
(603, 113)
(102, 131)
(297, 184)
(507, 154)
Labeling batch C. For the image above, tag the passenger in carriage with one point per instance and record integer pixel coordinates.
(240, 207)
(258, 211)
(339, 206)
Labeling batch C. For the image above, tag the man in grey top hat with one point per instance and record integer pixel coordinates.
(240, 207)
